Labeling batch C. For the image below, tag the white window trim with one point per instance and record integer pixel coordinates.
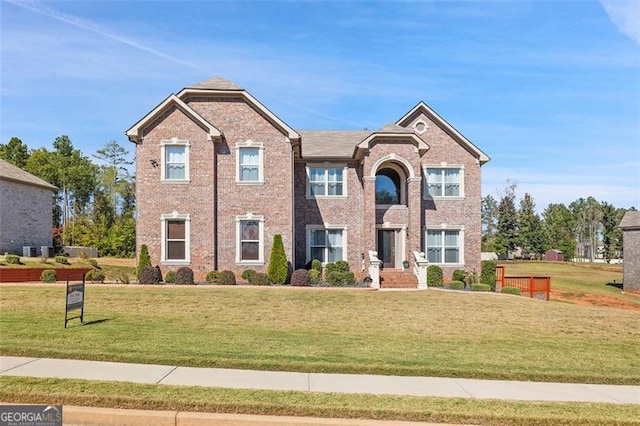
(327, 165)
(250, 144)
(445, 227)
(163, 173)
(187, 235)
(326, 227)
(403, 187)
(260, 220)
(443, 166)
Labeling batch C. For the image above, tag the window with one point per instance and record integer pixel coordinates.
(175, 160)
(326, 245)
(444, 182)
(388, 187)
(444, 246)
(249, 156)
(326, 181)
(175, 239)
(250, 237)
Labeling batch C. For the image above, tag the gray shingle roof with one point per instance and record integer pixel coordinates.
(216, 83)
(12, 173)
(631, 220)
(331, 143)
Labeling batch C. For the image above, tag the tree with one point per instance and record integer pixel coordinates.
(530, 227)
(587, 214)
(114, 176)
(507, 238)
(278, 269)
(558, 230)
(489, 222)
(611, 233)
(15, 152)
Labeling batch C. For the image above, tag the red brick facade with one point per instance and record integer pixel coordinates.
(216, 118)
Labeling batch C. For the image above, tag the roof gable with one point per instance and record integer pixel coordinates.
(423, 108)
(630, 220)
(135, 132)
(12, 173)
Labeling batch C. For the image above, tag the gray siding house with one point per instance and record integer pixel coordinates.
(25, 210)
(630, 226)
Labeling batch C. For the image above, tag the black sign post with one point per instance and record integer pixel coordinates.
(75, 301)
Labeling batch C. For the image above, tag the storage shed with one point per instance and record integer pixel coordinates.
(554, 255)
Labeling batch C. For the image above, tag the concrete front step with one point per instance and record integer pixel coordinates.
(397, 279)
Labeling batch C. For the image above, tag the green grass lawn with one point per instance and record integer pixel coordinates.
(427, 333)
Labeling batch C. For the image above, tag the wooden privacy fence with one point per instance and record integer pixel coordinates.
(527, 285)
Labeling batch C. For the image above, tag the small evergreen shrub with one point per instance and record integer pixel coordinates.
(92, 262)
(456, 285)
(315, 276)
(488, 273)
(144, 259)
(170, 277)
(511, 290)
(480, 287)
(434, 276)
(226, 278)
(471, 278)
(150, 275)
(95, 276)
(13, 259)
(184, 276)
(300, 278)
(459, 275)
(48, 276)
(342, 266)
(339, 278)
(247, 274)
(278, 269)
(259, 278)
(212, 276)
(62, 259)
(316, 265)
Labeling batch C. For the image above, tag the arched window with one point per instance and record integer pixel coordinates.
(388, 187)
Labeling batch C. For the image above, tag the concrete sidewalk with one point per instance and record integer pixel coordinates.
(318, 382)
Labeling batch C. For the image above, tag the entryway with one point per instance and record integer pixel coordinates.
(387, 247)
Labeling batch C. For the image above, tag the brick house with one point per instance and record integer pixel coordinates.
(630, 226)
(218, 175)
(25, 211)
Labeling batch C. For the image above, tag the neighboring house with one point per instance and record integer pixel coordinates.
(554, 255)
(630, 226)
(26, 210)
(218, 175)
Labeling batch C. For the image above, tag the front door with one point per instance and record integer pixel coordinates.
(387, 247)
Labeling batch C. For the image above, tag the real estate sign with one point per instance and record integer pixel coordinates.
(75, 301)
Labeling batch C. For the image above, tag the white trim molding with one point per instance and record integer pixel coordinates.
(326, 227)
(443, 227)
(250, 144)
(326, 166)
(444, 166)
(250, 217)
(164, 144)
(175, 216)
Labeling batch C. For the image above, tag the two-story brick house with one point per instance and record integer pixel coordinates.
(218, 175)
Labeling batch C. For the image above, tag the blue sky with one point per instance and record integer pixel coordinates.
(550, 90)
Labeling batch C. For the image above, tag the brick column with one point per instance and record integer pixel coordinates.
(414, 220)
(369, 211)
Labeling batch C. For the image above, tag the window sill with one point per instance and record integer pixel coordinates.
(246, 183)
(176, 181)
(250, 262)
(175, 262)
(391, 207)
(445, 198)
(327, 197)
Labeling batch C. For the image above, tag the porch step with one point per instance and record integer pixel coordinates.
(397, 279)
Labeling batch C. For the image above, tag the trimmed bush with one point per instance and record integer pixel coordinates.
(150, 275)
(259, 278)
(212, 276)
(184, 276)
(511, 290)
(247, 274)
(315, 276)
(14, 259)
(456, 285)
(300, 278)
(480, 287)
(338, 278)
(95, 276)
(459, 275)
(342, 266)
(144, 259)
(48, 276)
(170, 277)
(62, 259)
(488, 273)
(278, 269)
(226, 278)
(316, 265)
(434, 276)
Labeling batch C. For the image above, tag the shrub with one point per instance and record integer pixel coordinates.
(95, 276)
(93, 262)
(259, 278)
(300, 278)
(316, 265)
(184, 276)
(459, 275)
(339, 278)
(48, 276)
(62, 259)
(315, 276)
(247, 274)
(434, 276)
(144, 259)
(456, 285)
(150, 275)
(488, 273)
(123, 277)
(342, 266)
(471, 278)
(226, 278)
(212, 276)
(278, 269)
(480, 287)
(511, 290)
(13, 259)
(170, 277)
(84, 255)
